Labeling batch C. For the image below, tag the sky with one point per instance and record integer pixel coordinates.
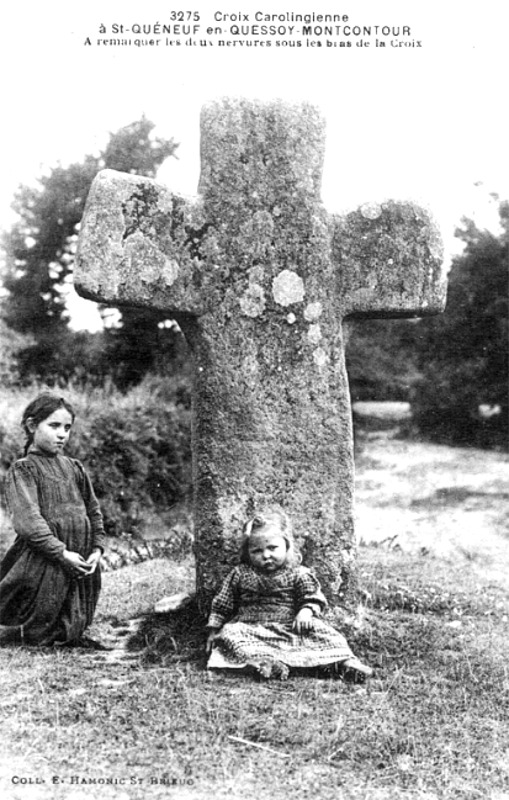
(427, 123)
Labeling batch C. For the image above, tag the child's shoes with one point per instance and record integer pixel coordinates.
(280, 670)
(355, 669)
(271, 669)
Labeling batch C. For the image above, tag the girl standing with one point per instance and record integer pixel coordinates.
(266, 615)
(50, 578)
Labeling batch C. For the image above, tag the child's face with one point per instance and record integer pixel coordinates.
(51, 435)
(267, 549)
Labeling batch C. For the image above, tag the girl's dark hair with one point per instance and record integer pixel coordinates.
(271, 518)
(40, 409)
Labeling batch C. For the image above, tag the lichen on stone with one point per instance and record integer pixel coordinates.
(144, 260)
(256, 274)
(252, 301)
(288, 288)
(314, 333)
(313, 311)
(320, 357)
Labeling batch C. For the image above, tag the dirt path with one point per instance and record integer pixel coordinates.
(452, 502)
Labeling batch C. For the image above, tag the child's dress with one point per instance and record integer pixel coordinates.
(53, 508)
(257, 612)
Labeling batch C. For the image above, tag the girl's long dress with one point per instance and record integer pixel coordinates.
(53, 508)
(257, 611)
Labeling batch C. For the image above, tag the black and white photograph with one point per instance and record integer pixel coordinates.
(254, 358)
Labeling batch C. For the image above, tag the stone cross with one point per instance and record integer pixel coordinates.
(260, 277)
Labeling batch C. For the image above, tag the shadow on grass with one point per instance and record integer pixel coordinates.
(173, 637)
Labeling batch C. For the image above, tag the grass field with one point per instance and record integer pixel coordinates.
(433, 622)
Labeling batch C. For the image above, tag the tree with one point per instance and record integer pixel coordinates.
(464, 354)
(40, 246)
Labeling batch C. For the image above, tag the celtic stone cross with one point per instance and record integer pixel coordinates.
(260, 278)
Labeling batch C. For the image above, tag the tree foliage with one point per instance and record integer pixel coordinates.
(40, 248)
(41, 244)
(463, 354)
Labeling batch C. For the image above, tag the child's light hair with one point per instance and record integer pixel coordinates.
(276, 518)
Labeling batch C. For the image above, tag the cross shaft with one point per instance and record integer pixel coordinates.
(260, 278)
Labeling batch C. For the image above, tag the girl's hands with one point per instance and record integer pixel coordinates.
(93, 560)
(76, 564)
(304, 621)
(214, 633)
(80, 567)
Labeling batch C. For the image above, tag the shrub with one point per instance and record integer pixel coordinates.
(381, 359)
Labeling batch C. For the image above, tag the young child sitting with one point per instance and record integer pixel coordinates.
(266, 616)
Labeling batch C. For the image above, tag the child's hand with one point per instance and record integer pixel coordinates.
(76, 564)
(93, 560)
(304, 621)
(214, 633)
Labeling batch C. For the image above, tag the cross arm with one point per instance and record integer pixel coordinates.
(388, 261)
(137, 245)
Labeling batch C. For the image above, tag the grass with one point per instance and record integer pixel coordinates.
(432, 723)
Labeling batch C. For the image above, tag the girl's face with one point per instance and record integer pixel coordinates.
(267, 549)
(51, 435)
